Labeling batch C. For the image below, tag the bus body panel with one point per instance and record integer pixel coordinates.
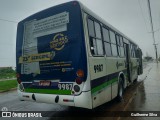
(103, 76)
(104, 84)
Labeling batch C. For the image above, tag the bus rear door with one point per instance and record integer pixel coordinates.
(128, 61)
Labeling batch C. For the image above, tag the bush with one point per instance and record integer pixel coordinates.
(6, 73)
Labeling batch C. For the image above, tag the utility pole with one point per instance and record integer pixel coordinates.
(154, 42)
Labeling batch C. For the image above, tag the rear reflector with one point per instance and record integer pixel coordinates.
(67, 100)
(27, 96)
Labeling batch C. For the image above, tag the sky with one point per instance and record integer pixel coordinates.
(131, 17)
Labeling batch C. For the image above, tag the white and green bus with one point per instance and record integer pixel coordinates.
(68, 55)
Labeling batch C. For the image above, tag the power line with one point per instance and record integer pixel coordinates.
(8, 20)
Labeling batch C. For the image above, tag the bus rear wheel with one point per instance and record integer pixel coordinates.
(120, 90)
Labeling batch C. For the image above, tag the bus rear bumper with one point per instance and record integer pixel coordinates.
(83, 100)
(47, 98)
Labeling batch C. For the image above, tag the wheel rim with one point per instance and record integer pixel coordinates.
(120, 91)
(120, 87)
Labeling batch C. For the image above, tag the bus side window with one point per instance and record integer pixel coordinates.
(91, 28)
(91, 35)
(121, 46)
(137, 53)
(95, 38)
(93, 46)
(107, 42)
(125, 53)
(113, 43)
(118, 44)
(99, 38)
(132, 49)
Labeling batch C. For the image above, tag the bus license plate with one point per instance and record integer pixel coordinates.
(44, 83)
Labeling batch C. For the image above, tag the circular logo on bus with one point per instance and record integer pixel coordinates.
(59, 41)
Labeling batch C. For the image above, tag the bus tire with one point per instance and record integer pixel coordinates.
(136, 80)
(120, 90)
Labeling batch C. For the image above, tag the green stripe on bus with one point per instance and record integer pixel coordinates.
(104, 85)
(49, 91)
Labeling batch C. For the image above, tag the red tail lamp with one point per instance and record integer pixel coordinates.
(18, 78)
(78, 81)
(80, 73)
(19, 81)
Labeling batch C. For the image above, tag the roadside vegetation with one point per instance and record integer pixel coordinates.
(7, 79)
(7, 73)
(7, 85)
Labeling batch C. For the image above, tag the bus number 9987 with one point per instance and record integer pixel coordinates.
(64, 86)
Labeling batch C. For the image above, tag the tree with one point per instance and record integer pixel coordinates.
(7, 72)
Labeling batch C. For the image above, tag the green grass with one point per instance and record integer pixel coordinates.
(7, 85)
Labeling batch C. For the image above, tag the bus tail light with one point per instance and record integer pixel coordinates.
(78, 81)
(18, 78)
(80, 73)
(19, 81)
